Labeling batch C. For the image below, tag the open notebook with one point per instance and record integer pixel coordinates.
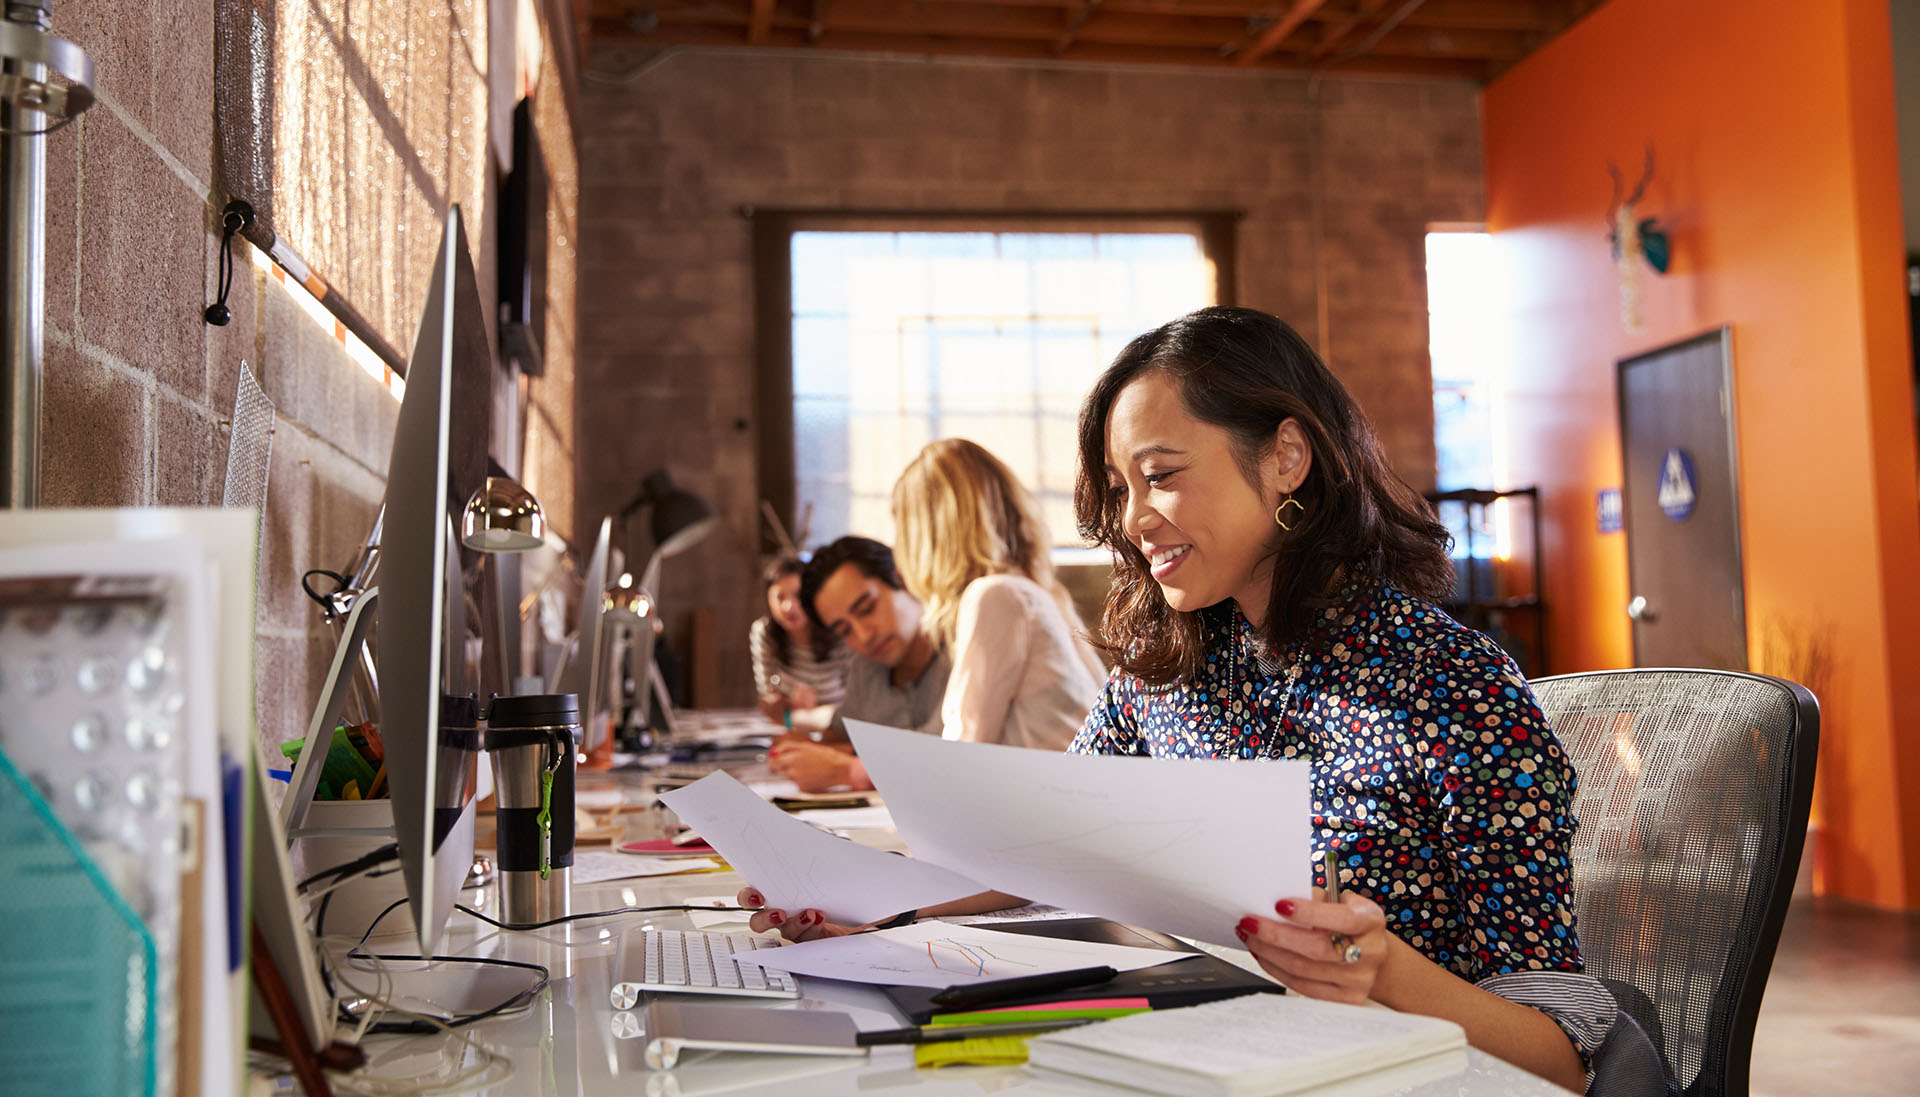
(1254, 1046)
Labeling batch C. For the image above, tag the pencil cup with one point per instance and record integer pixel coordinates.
(531, 739)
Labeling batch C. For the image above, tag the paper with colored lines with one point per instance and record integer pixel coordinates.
(936, 954)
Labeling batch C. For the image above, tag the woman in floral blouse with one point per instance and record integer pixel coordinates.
(1272, 599)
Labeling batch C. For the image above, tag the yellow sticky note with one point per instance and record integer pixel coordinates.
(996, 1051)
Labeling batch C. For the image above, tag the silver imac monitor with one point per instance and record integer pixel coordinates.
(427, 708)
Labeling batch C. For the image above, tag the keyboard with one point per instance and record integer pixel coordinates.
(679, 961)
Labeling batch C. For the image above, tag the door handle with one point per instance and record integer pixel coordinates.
(1639, 610)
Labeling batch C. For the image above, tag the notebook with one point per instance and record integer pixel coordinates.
(1202, 979)
(1257, 1045)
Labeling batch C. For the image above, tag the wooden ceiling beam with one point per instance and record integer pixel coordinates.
(1087, 8)
(759, 22)
(1277, 32)
(1337, 31)
(1490, 45)
(681, 32)
(1463, 14)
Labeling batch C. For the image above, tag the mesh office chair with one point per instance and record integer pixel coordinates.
(1694, 788)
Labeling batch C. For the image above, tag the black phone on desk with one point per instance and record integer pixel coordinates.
(1203, 978)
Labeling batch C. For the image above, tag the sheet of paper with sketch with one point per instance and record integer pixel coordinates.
(1182, 846)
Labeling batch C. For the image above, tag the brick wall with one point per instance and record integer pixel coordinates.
(1338, 185)
(138, 389)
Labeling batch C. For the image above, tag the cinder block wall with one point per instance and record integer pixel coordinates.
(1338, 185)
(139, 389)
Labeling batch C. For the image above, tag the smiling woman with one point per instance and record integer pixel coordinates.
(1271, 600)
(1222, 446)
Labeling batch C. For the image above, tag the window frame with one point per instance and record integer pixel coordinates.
(772, 250)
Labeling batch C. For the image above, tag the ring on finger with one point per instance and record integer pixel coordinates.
(1344, 950)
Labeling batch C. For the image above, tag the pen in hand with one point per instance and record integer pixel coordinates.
(1344, 950)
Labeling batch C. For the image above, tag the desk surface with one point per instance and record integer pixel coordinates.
(572, 1042)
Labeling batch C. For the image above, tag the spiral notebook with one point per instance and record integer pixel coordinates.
(1259, 1045)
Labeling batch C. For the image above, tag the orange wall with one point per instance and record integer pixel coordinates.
(1778, 177)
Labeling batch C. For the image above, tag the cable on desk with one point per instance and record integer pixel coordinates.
(427, 1023)
(372, 859)
(589, 914)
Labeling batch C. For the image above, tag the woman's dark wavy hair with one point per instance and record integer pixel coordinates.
(1247, 372)
(821, 641)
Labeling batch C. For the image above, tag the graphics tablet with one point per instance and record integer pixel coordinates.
(1202, 979)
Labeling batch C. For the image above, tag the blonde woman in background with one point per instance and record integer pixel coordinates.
(972, 548)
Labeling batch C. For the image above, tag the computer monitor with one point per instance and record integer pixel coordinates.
(585, 673)
(426, 711)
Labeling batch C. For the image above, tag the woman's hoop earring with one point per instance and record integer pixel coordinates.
(1289, 501)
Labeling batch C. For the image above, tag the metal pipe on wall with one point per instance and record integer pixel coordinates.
(23, 243)
(31, 106)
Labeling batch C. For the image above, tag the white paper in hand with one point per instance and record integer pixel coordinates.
(797, 866)
(1181, 846)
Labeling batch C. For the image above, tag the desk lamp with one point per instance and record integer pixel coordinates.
(502, 516)
(679, 520)
(627, 613)
(501, 520)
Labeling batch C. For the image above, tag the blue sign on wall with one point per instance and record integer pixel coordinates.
(1608, 512)
(1677, 495)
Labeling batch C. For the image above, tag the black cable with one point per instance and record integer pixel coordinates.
(589, 914)
(372, 859)
(410, 1027)
(320, 915)
(340, 583)
(519, 998)
(237, 217)
(415, 1027)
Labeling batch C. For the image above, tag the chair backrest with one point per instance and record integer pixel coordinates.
(1693, 797)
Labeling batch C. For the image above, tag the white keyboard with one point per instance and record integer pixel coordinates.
(687, 961)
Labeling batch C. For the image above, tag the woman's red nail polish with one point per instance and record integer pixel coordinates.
(1240, 933)
(757, 899)
(1284, 908)
(1246, 928)
(776, 917)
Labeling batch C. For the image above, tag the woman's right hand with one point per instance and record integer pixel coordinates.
(804, 925)
(816, 768)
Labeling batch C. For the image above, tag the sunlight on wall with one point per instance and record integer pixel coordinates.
(380, 123)
(361, 354)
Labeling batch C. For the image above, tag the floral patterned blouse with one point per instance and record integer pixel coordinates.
(1437, 782)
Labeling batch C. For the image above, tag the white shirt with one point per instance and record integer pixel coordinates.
(1022, 674)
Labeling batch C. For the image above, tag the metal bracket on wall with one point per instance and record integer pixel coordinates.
(30, 48)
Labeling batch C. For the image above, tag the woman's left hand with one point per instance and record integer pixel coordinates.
(1298, 948)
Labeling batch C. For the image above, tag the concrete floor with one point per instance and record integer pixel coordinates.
(1842, 1013)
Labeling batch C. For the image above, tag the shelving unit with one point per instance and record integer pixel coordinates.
(1517, 622)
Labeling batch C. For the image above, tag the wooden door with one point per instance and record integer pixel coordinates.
(1682, 515)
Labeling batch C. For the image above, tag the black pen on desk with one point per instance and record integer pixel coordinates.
(932, 1034)
(995, 990)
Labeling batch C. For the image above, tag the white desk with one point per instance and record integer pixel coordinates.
(567, 1044)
